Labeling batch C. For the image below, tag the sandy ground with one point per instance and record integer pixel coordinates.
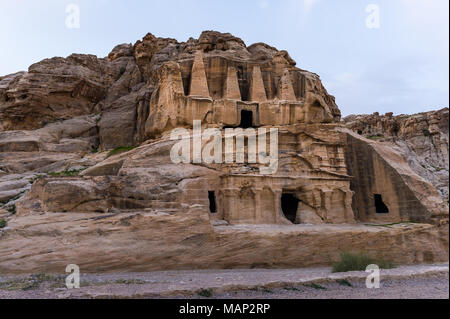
(423, 282)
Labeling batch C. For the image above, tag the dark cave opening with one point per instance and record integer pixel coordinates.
(289, 206)
(212, 202)
(246, 119)
(380, 206)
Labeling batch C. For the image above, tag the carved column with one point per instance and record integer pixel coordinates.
(259, 217)
(279, 217)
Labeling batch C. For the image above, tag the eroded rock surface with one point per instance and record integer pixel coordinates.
(422, 139)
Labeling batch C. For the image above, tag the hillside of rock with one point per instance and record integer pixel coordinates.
(422, 139)
(87, 176)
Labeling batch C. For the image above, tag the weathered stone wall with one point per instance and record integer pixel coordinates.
(145, 241)
(131, 87)
(258, 200)
(216, 96)
(377, 169)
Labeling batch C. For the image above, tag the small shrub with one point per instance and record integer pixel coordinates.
(12, 209)
(35, 178)
(267, 291)
(207, 293)
(41, 277)
(35, 281)
(291, 289)
(352, 262)
(315, 286)
(3, 223)
(121, 149)
(130, 282)
(58, 285)
(66, 173)
(15, 284)
(375, 137)
(344, 282)
(17, 196)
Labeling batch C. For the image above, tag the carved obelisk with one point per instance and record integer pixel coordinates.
(232, 91)
(199, 82)
(286, 88)
(257, 90)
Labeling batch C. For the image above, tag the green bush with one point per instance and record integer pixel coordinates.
(66, 173)
(130, 282)
(205, 293)
(3, 223)
(12, 209)
(121, 149)
(359, 262)
(375, 137)
(267, 291)
(315, 286)
(344, 282)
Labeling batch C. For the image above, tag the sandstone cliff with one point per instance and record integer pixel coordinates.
(422, 139)
(120, 87)
(86, 175)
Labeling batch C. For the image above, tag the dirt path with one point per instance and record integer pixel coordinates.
(436, 287)
(424, 281)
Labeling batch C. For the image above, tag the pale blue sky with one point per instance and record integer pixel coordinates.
(401, 67)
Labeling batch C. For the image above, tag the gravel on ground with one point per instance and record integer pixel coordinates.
(419, 281)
